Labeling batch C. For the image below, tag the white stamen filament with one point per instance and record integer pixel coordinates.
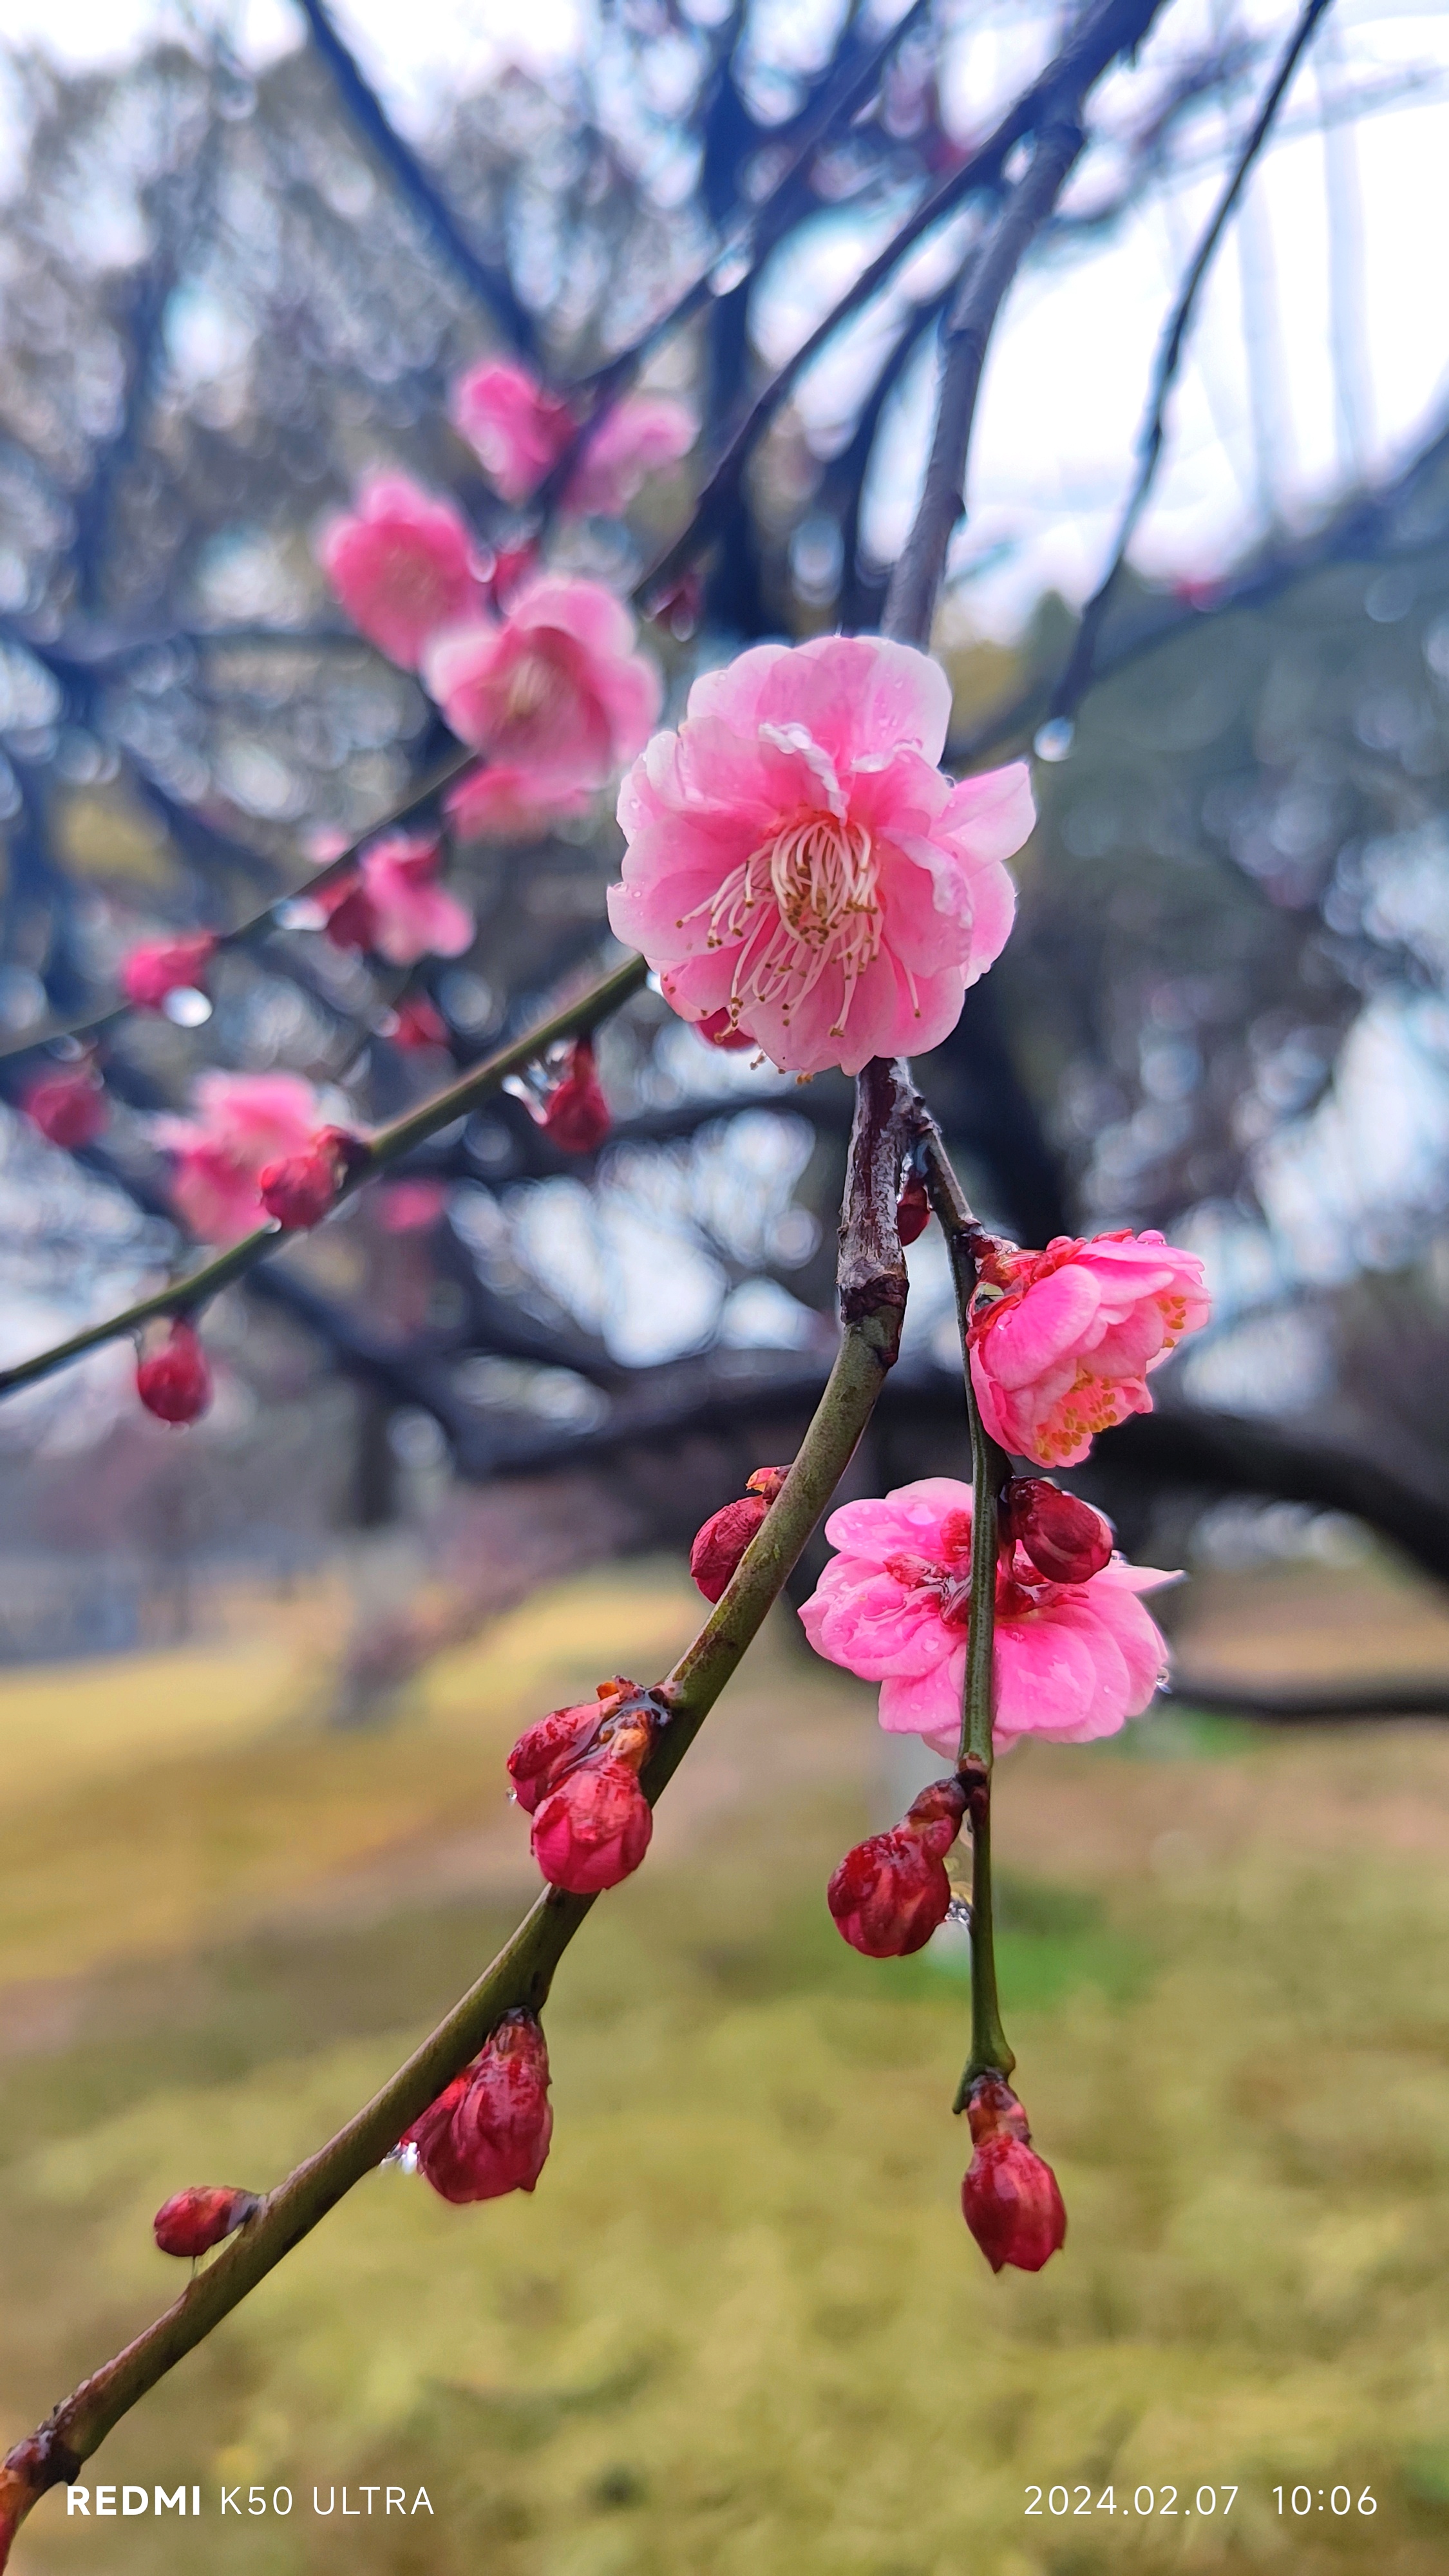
(798, 905)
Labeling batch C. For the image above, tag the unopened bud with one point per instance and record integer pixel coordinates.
(191, 2222)
(1009, 2198)
(891, 1892)
(351, 914)
(593, 1829)
(488, 2132)
(718, 1030)
(159, 966)
(416, 1023)
(299, 1190)
(69, 1108)
(913, 1208)
(1065, 1538)
(548, 1749)
(174, 1382)
(720, 1544)
(576, 1114)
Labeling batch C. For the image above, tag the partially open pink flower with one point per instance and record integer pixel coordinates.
(488, 2132)
(554, 694)
(245, 1121)
(1072, 1661)
(797, 859)
(159, 966)
(1066, 1351)
(412, 916)
(519, 432)
(403, 565)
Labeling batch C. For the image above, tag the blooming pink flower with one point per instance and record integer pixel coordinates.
(245, 1121)
(158, 966)
(412, 916)
(174, 1381)
(489, 2130)
(518, 431)
(1072, 1661)
(554, 694)
(1065, 1352)
(797, 859)
(403, 566)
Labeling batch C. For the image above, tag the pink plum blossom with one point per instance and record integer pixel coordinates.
(245, 1121)
(1072, 1661)
(797, 860)
(160, 966)
(554, 694)
(412, 915)
(403, 566)
(519, 431)
(1066, 1350)
(509, 804)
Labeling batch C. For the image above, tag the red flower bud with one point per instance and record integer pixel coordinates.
(593, 1829)
(890, 1893)
(1009, 2198)
(415, 1023)
(718, 1030)
(191, 2222)
(1065, 1538)
(351, 913)
(299, 1190)
(69, 1108)
(159, 966)
(174, 1382)
(913, 1208)
(576, 1114)
(722, 1541)
(489, 2131)
(544, 1752)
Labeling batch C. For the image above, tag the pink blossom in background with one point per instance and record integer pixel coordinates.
(160, 966)
(1073, 1661)
(554, 694)
(412, 915)
(409, 1206)
(1066, 1351)
(797, 860)
(403, 565)
(244, 1121)
(509, 804)
(518, 432)
(515, 429)
(69, 1107)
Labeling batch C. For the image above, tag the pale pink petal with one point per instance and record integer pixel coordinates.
(994, 815)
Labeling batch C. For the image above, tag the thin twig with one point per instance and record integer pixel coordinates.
(1074, 679)
(522, 1973)
(386, 1146)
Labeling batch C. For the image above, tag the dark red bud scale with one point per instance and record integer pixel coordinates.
(1009, 2199)
(191, 2222)
(891, 1892)
(722, 1541)
(174, 1382)
(576, 1115)
(913, 1208)
(1065, 1538)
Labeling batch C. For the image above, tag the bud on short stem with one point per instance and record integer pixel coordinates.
(1009, 2198)
(720, 1544)
(300, 1189)
(191, 2222)
(1065, 1538)
(891, 1893)
(173, 1381)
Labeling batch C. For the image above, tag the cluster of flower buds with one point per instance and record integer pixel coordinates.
(575, 1116)
(722, 1541)
(191, 2222)
(1065, 1538)
(1009, 2198)
(300, 1189)
(488, 2132)
(159, 967)
(891, 1893)
(69, 1107)
(577, 1774)
(173, 1380)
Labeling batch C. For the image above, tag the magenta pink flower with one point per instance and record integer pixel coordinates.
(797, 860)
(412, 916)
(1066, 1351)
(554, 694)
(403, 566)
(519, 432)
(1073, 1661)
(245, 1122)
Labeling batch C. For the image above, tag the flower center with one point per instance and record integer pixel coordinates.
(532, 687)
(799, 905)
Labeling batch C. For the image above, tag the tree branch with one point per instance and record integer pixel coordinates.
(522, 1973)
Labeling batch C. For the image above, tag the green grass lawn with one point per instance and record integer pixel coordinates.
(740, 2329)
